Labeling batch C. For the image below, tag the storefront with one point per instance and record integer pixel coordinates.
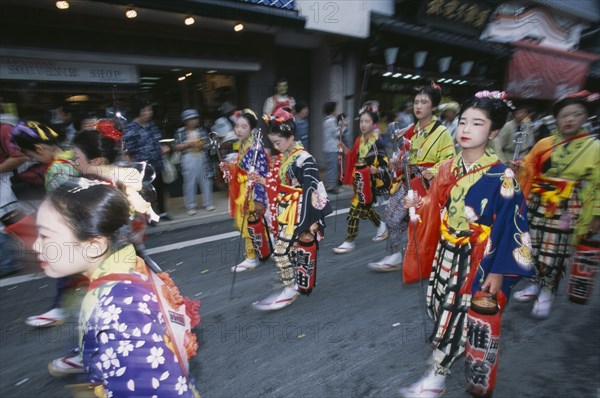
(94, 57)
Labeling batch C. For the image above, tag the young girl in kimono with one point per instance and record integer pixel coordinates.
(246, 200)
(561, 176)
(367, 171)
(483, 237)
(302, 205)
(431, 143)
(39, 142)
(129, 346)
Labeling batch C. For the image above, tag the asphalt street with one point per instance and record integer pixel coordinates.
(359, 334)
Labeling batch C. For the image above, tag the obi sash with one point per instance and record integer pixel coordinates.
(553, 191)
(289, 203)
(477, 236)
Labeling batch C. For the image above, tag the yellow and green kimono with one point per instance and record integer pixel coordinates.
(561, 179)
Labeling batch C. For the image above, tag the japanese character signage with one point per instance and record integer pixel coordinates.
(481, 352)
(467, 17)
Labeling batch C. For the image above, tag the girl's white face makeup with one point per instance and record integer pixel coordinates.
(422, 107)
(570, 119)
(280, 143)
(59, 251)
(366, 123)
(473, 130)
(242, 128)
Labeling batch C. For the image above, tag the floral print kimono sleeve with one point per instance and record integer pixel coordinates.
(497, 201)
(125, 345)
(262, 168)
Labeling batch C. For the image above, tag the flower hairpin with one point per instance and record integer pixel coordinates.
(497, 95)
(108, 130)
(84, 184)
(372, 108)
(278, 120)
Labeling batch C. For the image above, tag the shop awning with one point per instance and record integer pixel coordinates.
(446, 38)
(546, 73)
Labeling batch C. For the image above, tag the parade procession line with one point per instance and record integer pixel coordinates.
(199, 241)
(160, 249)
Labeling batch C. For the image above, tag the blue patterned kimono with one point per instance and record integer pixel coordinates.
(261, 167)
(124, 339)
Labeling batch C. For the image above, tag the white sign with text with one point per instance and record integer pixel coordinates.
(63, 71)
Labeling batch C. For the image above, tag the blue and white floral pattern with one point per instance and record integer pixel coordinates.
(124, 347)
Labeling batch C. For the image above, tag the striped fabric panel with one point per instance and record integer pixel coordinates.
(551, 239)
(445, 304)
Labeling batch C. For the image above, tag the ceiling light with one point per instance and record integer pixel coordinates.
(386, 74)
(415, 77)
(188, 74)
(131, 13)
(181, 78)
(211, 71)
(78, 98)
(238, 27)
(62, 5)
(189, 21)
(441, 80)
(407, 76)
(397, 74)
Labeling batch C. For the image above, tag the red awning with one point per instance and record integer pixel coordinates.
(546, 73)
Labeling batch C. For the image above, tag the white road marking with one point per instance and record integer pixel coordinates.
(155, 250)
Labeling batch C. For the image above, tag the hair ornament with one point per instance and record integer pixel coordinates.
(108, 130)
(84, 183)
(279, 117)
(436, 86)
(495, 95)
(248, 111)
(371, 108)
(35, 130)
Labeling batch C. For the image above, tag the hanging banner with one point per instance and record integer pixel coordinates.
(65, 71)
(545, 73)
(464, 17)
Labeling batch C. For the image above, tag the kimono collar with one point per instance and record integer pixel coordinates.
(365, 145)
(425, 130)
(457, 211)
(121, 262)
(244, 148)
(489, 157)
(286, 162)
